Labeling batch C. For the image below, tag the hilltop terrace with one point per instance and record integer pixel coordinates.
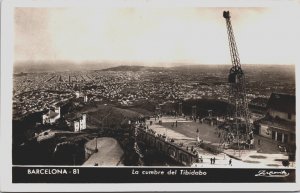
(184, 135)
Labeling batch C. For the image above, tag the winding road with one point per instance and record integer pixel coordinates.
(109, 152)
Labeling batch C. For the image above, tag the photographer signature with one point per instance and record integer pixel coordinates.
(266, 173)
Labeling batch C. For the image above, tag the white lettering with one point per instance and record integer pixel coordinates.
(53, 171)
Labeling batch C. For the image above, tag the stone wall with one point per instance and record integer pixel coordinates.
(170, 149)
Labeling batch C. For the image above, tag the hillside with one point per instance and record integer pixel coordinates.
(111, 116)
(135, 68)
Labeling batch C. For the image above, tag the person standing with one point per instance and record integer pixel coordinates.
(214, 160)
(230, 162)
(211, 160)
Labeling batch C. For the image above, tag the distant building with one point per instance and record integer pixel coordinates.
(279, 124)
(51, 116)
(85, 99)
(79, 123)
(81, 97)
(77, 94)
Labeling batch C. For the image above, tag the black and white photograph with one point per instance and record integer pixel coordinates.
(169, 93)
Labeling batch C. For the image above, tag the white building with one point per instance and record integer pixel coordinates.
(81, 96)
(85, 99)
(80, 123)
(77, 94)
(51, 116)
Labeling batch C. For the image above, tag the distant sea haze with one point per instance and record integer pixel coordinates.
(118, 66)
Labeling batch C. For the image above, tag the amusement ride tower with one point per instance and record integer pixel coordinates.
(241, 126)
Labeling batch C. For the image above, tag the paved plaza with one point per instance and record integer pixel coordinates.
(266, 154)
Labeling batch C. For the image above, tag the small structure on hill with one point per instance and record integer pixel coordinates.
(79, 123)
(51, 116)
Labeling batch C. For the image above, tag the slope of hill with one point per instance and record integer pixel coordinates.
(110, 116)
(135, 68)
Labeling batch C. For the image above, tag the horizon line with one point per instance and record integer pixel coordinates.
(131, 63)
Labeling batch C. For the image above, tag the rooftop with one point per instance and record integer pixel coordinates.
(279, 123)
(282, 102)
(52, 114)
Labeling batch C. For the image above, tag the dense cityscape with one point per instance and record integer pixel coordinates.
(34, 92)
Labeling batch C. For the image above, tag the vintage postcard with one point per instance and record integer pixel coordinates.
(149, 95)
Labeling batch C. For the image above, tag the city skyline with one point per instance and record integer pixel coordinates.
(152, 36)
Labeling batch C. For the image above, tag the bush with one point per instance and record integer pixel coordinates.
(285, 163)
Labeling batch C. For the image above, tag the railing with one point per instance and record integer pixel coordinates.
(161, 144)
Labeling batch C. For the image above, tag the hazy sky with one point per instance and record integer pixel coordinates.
(154, 35)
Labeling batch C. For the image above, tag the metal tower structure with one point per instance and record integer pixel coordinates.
(237, 93)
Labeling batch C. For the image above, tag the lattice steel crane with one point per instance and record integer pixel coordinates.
(237, 94)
